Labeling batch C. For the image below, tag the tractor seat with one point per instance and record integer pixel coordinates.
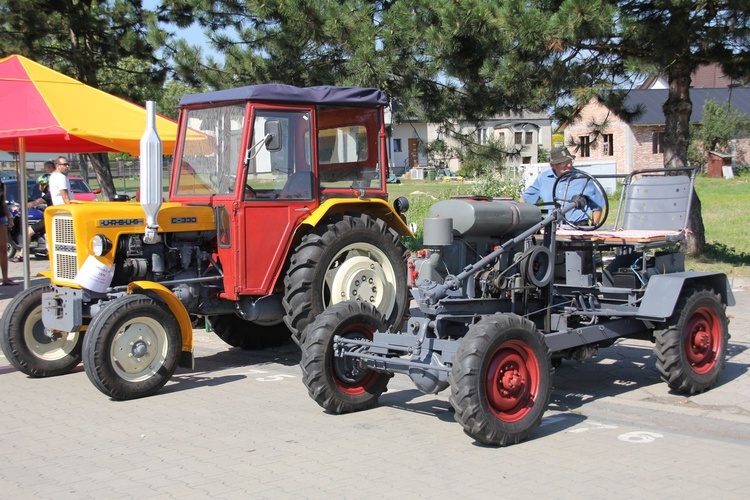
(622, 237)
(653, 211)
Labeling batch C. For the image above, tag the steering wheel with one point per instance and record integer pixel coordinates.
(250, 192)
(579, 196)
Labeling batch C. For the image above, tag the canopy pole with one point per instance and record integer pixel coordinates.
(24, 204)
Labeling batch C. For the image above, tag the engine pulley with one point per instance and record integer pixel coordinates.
(537, 268)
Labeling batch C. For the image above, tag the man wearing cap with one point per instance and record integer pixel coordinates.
(561, 161)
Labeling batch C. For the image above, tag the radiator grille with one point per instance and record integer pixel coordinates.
(63, 247)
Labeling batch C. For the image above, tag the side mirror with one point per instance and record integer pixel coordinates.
(96, 191)
(273, 135)
(401, 204)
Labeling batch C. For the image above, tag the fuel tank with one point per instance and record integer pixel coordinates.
(491, 217)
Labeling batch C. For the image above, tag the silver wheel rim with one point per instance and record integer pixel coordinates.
(139, 349)
(362, 272)
(45, 344)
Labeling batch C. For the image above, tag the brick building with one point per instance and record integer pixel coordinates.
(637, 143)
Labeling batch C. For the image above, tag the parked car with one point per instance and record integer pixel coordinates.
(11, 190)
(81, 190)
(7, 175)
(34, 214)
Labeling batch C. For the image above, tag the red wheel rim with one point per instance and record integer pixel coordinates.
(348, 376)
(703, 340)
(512, 381)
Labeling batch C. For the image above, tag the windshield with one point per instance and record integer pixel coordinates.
(79, 186)
(211, 150)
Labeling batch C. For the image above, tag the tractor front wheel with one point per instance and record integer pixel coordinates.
(29, 346)
(691, 350)
(501, 380)
(132, 347)
(342, 384)
(351, 258)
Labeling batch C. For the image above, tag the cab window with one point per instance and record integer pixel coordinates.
(282, 172)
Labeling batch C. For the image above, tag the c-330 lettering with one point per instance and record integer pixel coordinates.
(184, 220)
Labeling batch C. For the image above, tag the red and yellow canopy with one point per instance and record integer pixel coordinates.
(57, 114)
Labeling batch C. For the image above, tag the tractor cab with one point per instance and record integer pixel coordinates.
(265, 158)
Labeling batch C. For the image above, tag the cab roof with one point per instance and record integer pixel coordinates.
(278, 93)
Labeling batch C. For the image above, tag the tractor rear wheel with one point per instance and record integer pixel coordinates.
(247, 335)
(132, 347)
(501, 380)
(351, 258)
(29, 346)
(341, 384)
(691, 350)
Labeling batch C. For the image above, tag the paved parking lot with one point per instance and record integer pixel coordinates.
(241, 425)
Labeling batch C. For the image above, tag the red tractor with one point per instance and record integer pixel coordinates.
(277, 210)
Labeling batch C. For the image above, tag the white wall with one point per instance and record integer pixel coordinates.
(405, 131)
(541, 129)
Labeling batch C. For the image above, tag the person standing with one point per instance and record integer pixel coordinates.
(6, 223)
(59, 185)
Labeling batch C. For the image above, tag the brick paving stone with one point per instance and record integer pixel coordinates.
(221, 432)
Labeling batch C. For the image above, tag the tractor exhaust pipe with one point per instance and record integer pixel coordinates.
(151, 176)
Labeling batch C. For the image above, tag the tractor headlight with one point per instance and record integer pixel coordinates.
(101, 245)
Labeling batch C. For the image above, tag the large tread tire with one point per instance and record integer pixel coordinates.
(339, 384)
(28, 346)
(247, 335)
(331, 256)
(132, 347)
(691, 349)
(501, 380)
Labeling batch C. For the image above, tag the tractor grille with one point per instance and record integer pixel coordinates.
(64, 247)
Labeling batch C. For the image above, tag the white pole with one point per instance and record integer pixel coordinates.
(24, 207)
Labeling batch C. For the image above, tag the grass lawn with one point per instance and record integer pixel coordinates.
(724, 205)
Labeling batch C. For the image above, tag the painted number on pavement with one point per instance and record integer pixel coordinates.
(270, 378)
(639, 437)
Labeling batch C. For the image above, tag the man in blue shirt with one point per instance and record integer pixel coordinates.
(561, 161)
